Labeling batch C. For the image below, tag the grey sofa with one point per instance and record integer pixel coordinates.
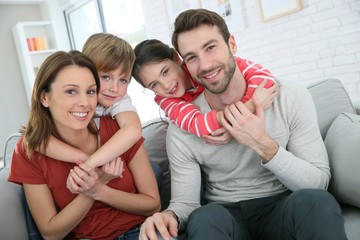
(339, 123)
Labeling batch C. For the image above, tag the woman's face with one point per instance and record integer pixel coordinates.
(72, 99)
(165, 78)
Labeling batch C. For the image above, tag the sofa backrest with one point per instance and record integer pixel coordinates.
(330, 99)
(9, 148)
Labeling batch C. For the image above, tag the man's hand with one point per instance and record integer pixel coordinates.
(218, 137)
(249, 129)
(164, 222)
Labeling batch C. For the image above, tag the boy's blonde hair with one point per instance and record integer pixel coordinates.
(108, 52)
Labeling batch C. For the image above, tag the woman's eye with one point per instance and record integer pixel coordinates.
(166, 72)
(91, 92)
(71, 91)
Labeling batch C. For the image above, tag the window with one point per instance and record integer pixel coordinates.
(83, 20)
(124, 18)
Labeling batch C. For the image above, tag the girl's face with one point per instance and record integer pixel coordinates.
(113, 86)
(72, 99)
(165, 78)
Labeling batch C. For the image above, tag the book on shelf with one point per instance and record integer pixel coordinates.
(37, 43)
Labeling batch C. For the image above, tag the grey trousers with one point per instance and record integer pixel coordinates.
(305, 214)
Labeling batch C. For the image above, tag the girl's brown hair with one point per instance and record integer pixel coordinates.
(40, 125)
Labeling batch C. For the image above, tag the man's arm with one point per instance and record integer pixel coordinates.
(302, 162)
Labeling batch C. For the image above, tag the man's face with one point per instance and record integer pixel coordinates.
(208, 57)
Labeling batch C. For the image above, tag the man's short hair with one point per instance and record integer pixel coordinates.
(193, 18)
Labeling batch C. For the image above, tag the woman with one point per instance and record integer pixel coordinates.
(63, 104)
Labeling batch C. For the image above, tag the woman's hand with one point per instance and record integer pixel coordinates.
(84, 180)
(218, 137)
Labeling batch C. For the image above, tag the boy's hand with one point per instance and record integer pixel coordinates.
(114, 167)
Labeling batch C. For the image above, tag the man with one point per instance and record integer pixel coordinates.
(269, 182)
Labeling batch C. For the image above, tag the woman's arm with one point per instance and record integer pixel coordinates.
(128, 134)
(145, 202)
(51, 224)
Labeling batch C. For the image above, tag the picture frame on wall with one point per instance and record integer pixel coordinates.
(231, 11)
(175, 7)
(271, 9)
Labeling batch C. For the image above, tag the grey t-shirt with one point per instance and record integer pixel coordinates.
(234, 172)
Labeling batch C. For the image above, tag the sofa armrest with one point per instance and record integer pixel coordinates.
(12, 220)
(357, 107)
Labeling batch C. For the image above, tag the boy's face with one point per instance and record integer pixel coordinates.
(208, 57)
(113, 86)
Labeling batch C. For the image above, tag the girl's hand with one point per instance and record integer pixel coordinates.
(218, 137)
(265, 96)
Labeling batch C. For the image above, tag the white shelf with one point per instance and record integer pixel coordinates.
(30, 61)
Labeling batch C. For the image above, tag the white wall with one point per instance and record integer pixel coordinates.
(320, 41)
(14, 106)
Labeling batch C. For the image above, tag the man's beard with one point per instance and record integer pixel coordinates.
(220, 85)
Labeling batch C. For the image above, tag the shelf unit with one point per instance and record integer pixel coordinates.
(30, 61)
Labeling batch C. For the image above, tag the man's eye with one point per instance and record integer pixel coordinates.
(123, 80)
(211, 47)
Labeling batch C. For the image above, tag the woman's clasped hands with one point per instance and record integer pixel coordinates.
(86, 180)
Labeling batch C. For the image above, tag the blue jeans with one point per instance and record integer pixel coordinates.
(158, 173)
(161, 238)
(132, 234)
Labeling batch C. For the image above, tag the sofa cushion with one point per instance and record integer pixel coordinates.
(154, 132)
(343, 145)
(352, 222)
(330, 100)
(12, 220)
